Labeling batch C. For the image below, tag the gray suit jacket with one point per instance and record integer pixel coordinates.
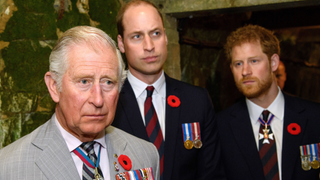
(43, 154)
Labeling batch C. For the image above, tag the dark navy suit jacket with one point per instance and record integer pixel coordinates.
(239, 150)
(196, 106)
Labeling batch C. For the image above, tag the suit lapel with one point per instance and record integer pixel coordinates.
(244, 137)
(54, 160)
(293, 113)
(172, 127)
(117, 146)
(130, 106)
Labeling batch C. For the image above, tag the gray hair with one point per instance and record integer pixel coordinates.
(59, 56)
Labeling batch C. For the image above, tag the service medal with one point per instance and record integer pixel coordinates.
(97, 175)
(197, 143)
(315, 164)
(188, 144)
(305, 164)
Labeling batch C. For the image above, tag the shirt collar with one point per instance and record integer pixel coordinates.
(276, 108)
(73, 142)
(139, 86)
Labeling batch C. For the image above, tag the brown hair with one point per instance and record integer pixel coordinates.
(253, 33)
(126, 6)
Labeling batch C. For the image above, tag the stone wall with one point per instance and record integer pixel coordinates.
(28, 30)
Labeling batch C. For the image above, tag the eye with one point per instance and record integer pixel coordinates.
(254, 61)
(156, 33)
(108, 82)
(237, 63)
(83, 81)
(136, 36)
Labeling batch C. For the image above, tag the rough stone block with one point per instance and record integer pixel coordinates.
(43, 6)
(17, 102)
(26, 63)
(106, 15)
(72, 18)
(10, 128)
(31, 121)
(30, 26)
(46, 104)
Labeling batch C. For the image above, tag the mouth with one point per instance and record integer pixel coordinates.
(96, 116)
(150, 58)
(248, 82)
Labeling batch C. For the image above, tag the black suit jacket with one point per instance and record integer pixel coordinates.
(239, 150)
(196, 106)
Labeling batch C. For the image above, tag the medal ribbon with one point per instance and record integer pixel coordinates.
(186, 127)
(268, 122)
(196, 132)
(309, 150)
(302, 152)
(314, 151)
(86, 159)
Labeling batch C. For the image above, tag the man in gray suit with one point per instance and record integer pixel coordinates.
(85, 78)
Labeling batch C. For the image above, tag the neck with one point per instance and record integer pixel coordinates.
(265, 99)
(146, 78)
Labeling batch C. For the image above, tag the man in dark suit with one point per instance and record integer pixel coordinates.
(143, 39)
(261, 134)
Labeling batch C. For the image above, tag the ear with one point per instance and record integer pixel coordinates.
(166, 36)
(52, 87)
(275, 62)
(120, 43)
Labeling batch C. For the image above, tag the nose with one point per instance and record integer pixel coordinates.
(246, 71)
(148, 44)
(96, 96)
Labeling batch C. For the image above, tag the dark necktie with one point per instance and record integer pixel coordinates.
(268, 150)
(153, 127)
(87, 172)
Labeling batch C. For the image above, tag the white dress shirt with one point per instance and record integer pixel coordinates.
(73, 143)
(277, 109)
(158, 97)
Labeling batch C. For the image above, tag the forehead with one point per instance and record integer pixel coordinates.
(88, 56)
(246, 49)
(142, 14)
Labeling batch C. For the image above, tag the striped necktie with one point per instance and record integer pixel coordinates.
(153, 127)
(267, 149)
(87, 172)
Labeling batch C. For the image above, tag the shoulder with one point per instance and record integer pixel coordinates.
(239, 105)
(182, 85)
(292, 101)
(19, 150)
(130, 139)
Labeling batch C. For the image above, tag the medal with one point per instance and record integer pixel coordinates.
(266, 136)
(197, 143)
(313, 149)
(85, 159)
(305, 158)
(191, 135)
(188, 144)
(305, 163)
(315, 164)
(116, 167)
(97, 175)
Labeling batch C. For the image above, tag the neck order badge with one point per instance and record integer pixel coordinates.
(85, 159)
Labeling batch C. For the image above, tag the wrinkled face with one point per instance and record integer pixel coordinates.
(144, 40)
(251, 69)
(88, 99)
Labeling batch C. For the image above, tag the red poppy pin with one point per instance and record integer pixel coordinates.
(125, 162)
(173, 101)
(294, 129)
